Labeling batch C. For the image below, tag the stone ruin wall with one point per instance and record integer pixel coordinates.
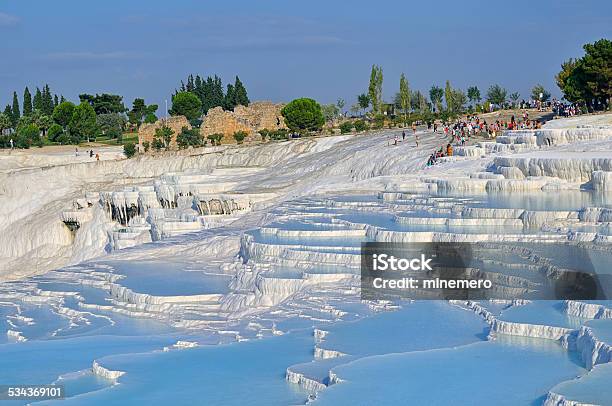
(146, 132)
(251, 119)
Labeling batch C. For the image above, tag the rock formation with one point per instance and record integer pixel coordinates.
(146, 132)
(250, 119)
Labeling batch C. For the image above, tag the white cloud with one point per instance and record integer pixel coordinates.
(91, 56)
(7, 20)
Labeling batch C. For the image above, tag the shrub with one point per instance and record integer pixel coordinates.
(146, 145)
(158, 144)
(239, 136)
(129, 149)
(189, 138)
(379, 121)
(281, 134)
(360, 125)
(346, 127)
(215, 139)
(265, 133)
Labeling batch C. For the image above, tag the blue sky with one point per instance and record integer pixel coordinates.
(287, 49)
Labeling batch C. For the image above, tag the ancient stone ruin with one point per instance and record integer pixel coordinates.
(250, 119)
(146, 132)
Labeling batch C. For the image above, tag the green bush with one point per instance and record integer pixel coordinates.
(158, 144)
(239, 136)
(129, 149)
(379, 121)
(281, 134)
(215, 139)
(346, 127)
(265, 133)
(189, 138)
(360, 125)
(303, 116)
(146, 145)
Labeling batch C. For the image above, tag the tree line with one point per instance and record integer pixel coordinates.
(197, 96)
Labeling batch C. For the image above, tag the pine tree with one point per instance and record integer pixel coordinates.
(55, 101)
(38, 102)
(240, 93)
(15, 110)
(27, 102)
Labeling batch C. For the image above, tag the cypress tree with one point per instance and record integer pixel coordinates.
(217, 92)
(38, 103)
(27, 102)
(230, 98)
(240, 93)
(15, 110)
(47, 101)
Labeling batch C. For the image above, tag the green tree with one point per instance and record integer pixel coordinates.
(47, 101)
(62, 114)
(230, 98)
(364, 101)
(330, 112)
(187, 138)
(448, 96)
(186, 104)
(163, 137)
(82, 124)
(54, 131)
(473, 94)
(140, 111)
(340, 103)
(567, 81)
(27, 102)
(514, 97)
(150, 118)
(241, 97)
(43, 122)
(497, 95)
(404, 95)
(38, 100)
(435, 95)
(593, 75)
(104, 103)
(27, 136)
(539, 93)
(5, 122)
(111, 124)
(458, 100)
(303, 115)
(129, 149)
(375, 88)
(15, 111)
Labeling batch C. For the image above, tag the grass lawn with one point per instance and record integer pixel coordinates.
(127, 137)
